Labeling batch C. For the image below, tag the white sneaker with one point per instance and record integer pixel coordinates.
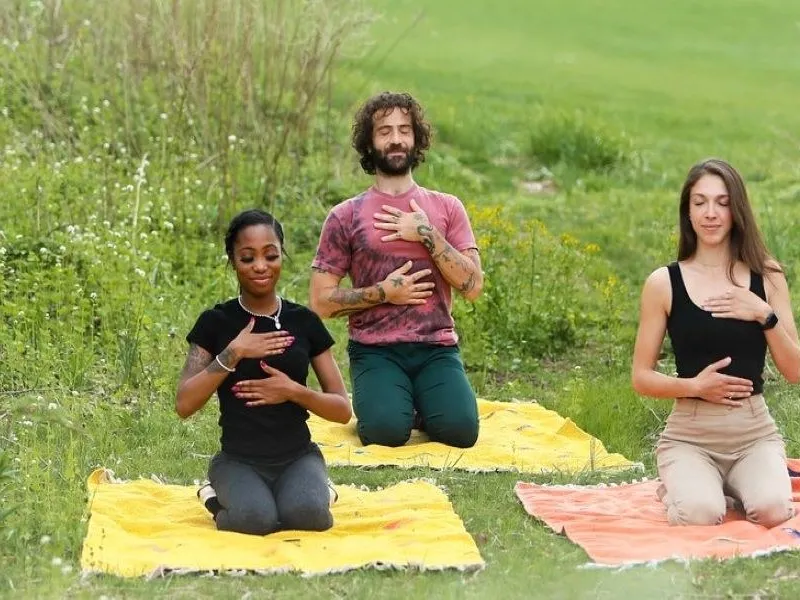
(206, 492)
(333, 492)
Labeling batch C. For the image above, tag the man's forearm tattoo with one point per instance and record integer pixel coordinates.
(354, 300)
(426, 237)
(444, 255)
(347, 297)
(469, 284)
(449, 255)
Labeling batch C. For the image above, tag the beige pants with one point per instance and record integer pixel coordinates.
(709, 451)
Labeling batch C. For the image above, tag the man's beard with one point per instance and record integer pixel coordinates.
(393, 166)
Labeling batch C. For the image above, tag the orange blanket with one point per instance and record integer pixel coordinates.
(627, 523)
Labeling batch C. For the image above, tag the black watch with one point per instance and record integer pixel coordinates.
(772, 320)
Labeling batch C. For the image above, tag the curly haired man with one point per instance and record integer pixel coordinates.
(404, 248)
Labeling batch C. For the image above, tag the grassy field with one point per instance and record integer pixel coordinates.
(107, 258)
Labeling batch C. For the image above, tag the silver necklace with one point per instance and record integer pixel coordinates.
(276, 317)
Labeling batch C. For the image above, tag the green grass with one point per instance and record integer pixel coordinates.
(92, 336)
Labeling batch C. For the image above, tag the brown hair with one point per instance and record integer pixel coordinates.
(386, 102)
(746, 242)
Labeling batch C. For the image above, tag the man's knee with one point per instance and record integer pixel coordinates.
(697, 511)
(460, 432)
(385, 432)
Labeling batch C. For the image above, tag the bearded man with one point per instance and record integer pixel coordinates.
(404, 249)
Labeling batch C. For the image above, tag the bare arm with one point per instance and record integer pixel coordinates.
(329, 300)
(332, 403)
(652, 329)
(399, 287)
(782, 339)
(200, 378)
(462, 270)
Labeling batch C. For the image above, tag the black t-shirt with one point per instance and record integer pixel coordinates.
(276, 431)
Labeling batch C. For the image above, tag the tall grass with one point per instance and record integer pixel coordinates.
(244, 83)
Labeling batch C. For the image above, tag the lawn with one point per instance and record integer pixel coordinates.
(516, 91)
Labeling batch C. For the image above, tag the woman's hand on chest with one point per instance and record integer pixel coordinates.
(277, 388)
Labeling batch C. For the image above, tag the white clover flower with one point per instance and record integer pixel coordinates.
(52, 405)
(106, 103)
(139, 272)
(45, 539)
(232, 139)
(163, 116)
(167, 225)
(56, 562)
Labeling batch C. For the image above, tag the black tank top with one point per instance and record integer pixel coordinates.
(699, 339)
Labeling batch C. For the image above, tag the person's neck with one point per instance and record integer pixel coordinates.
(393, 185)
(712, 258)
(263, 305)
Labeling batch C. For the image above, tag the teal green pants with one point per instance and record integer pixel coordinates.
(389, 382)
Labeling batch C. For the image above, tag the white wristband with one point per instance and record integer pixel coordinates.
(219, 362)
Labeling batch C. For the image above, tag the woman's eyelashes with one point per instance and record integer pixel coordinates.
(271, 258)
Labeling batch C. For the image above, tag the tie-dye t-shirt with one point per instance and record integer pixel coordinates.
(351, 245)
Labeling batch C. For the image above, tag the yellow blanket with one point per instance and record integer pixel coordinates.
(521, 437)
(147, 528)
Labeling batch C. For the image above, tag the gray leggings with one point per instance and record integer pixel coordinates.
(258, 497)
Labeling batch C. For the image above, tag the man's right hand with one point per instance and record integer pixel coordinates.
(258, 345)
(716, 387)
(401, 287)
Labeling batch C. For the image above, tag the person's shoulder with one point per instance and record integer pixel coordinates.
(439, 195)
(658, 280)
(774, 276)
(221, 310)
(346, 207)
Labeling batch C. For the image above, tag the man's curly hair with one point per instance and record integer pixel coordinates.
(385, 102)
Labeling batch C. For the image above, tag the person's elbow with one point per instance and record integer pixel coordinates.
(317, 303)
(793, 375)
(182, 407)
(346, 412)
(638, 381)
(473, 292)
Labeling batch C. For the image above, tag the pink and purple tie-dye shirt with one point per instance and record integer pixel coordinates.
(351, 245)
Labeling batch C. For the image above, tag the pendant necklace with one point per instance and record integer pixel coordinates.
(276, 317)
